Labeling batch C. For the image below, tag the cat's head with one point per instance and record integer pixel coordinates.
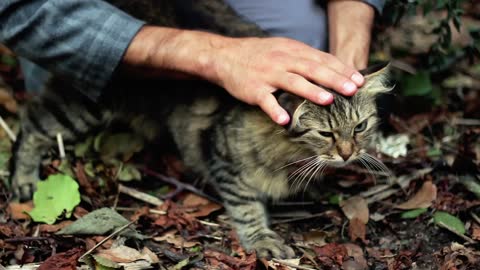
(340, 132)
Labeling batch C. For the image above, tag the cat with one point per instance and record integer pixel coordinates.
(248, 158)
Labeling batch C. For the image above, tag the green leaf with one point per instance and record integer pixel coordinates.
(181, 264)
(102, 263)
(418, 84)
(55, 196)
(100, 222)
(129, 172)
(335, 199)
(434, 152)
(447, 220)
(413, 213)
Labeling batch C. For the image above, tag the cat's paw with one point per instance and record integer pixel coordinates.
(273, 247)
(23, 187)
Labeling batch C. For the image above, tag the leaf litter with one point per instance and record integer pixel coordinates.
(422, 216)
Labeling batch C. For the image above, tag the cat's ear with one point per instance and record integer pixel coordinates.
(292, 104)
(376, 79)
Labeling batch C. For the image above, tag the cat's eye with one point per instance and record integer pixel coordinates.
(361, 127)
(325, 134)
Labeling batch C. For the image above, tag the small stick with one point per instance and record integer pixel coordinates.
(140, 195)
(464, 237)
(61, 147)
(119, 230)
(291, 264)
(298, 218)
(7, 129)
(178, 184)
(475, 217)
(159, 212)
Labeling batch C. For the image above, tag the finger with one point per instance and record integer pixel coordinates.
(270, 106)
(300, 86)
(325, 76)
(329, 60)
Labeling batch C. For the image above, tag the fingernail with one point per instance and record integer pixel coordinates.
(282, 118)
(349, 88)
(357, 78)
(325, 98)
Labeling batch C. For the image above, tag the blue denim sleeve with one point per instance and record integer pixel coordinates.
(83, 40)
(377, 4)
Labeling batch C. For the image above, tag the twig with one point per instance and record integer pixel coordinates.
(119, 230)
(464, 237)
(140, 195)
(26, 239)
(297, 218)
(475, 217)
(7, 129)
(178, 184)
(61, 147)
(159, 212)
(466, 122)
(291, 264)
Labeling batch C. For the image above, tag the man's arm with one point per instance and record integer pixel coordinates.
(85, 40)
(349, 25)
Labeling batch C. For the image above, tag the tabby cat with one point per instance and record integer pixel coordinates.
(247, 157)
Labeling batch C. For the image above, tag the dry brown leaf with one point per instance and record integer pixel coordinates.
(422, 199)
(357, 229)
(124, 254)
(316, 237)
(17, 210)
(62, 261)
(201, 206)
(55, 227)
(178, 241)
(331, 254)
(356, 253)
(278, 266)
(356, 207)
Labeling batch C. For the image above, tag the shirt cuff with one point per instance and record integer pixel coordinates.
(106, 52)
(377, 4)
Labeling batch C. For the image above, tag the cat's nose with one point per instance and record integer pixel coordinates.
(345, 149)
(345, 155)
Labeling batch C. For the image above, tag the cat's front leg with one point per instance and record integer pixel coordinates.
(250, 219)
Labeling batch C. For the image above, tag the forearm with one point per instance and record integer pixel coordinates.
(349, 26)
(82, 40)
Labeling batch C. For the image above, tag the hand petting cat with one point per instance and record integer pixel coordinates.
(250, 69)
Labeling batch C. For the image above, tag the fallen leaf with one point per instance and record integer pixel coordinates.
(18, 211)
(202, 206)
(413, 213)
(54, 228)
(357, 229)
(100, 222)
(62, 261)
(452, 222)
(355, 207)
(476, 231)
(331, 254)
(316, 237)
(178, 241)
(58, 195)
(422, 199)
(355, 252)
(124, 254)
(278, 266)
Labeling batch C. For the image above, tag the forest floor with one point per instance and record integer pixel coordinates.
(424, 215)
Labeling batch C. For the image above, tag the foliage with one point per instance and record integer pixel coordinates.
(55, 196)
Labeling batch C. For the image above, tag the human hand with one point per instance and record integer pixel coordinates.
(250, 69)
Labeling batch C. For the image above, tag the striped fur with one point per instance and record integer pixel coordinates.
(234, 146)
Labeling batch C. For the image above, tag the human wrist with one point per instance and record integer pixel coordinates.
(350, 44)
